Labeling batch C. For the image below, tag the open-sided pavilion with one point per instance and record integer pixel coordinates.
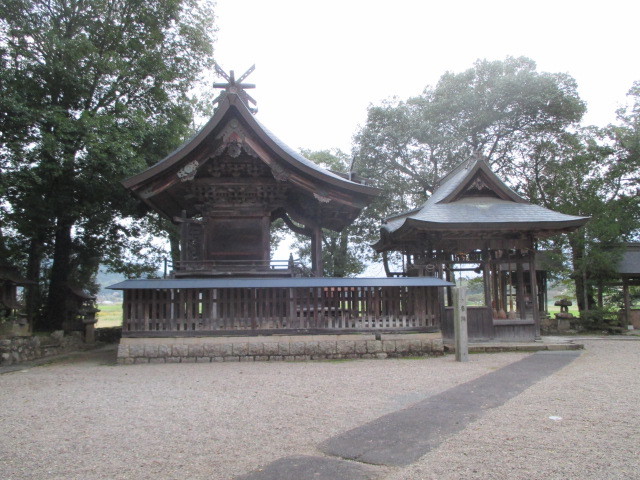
(474, 219)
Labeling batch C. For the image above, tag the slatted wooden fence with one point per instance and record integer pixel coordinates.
(294, 308)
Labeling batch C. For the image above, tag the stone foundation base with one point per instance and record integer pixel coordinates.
(277, 348)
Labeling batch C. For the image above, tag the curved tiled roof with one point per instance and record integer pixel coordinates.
(498, 208)
(232, 103)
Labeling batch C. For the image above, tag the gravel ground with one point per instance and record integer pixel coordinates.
(597, 434)
(89, 419)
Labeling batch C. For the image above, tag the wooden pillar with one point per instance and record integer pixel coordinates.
(486, 278)
(520, 302)
(385, 262)
(184, 233)
(502, 292)
(534, 290)
(441, 291)
(627, 303)
(316, 251)
(544, 300)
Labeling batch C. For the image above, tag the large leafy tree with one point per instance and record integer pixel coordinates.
(500, 109)
(526, 124)
(593, 171)
(587, 174)
(92, 92)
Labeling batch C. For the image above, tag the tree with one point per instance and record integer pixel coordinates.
(525, 124)
(595, 172)
(586, 175)
(500, 109)
(344, 252)
(92, 92)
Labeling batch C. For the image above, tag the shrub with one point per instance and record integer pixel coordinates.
(601, 320)
(109, 334)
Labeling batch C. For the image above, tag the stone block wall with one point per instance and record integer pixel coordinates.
(277, 348)
(20, 349)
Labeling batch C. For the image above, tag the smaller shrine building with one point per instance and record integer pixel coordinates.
(473, 221)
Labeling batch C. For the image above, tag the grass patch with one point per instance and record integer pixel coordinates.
(110, 315)
(552, 309)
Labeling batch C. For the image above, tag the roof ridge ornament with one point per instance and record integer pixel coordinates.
(236, 87)
(476, 157)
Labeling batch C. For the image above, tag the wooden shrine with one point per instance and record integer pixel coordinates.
(473, 221)
(224, 187)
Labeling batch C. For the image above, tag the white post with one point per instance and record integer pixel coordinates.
(460, 324)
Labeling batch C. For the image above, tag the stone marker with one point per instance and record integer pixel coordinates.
(460, 324)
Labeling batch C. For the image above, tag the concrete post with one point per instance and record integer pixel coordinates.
(460, 323)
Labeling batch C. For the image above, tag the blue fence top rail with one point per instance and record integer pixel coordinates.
(313, 282)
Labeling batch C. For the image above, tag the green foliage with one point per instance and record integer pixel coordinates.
(108, 334)
(525, 123)
(499, 109)
(92, 92)
(592, 172)
(343, 253)
(600, 320)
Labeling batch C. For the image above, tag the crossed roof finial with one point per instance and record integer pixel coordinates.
(233, 86)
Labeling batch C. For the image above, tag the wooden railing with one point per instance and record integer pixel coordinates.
(246, 310)
(258, 267)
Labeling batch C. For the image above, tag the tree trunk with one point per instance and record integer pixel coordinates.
(60, 271)
(577, 253)
(341, 258)
(33, 297)
(3, 248)
(584, 296)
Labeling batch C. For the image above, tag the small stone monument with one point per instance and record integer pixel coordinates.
(89, 320)
(564, 318)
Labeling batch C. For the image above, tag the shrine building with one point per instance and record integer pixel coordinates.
(474, 222)
(227, 298)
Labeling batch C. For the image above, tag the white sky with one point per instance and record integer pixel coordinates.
(320, 64)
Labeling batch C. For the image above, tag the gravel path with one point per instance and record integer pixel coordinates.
(89, 419)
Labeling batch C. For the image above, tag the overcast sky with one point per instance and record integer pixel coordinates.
(320, 64)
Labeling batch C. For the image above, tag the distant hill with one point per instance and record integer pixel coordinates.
(105, 279)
